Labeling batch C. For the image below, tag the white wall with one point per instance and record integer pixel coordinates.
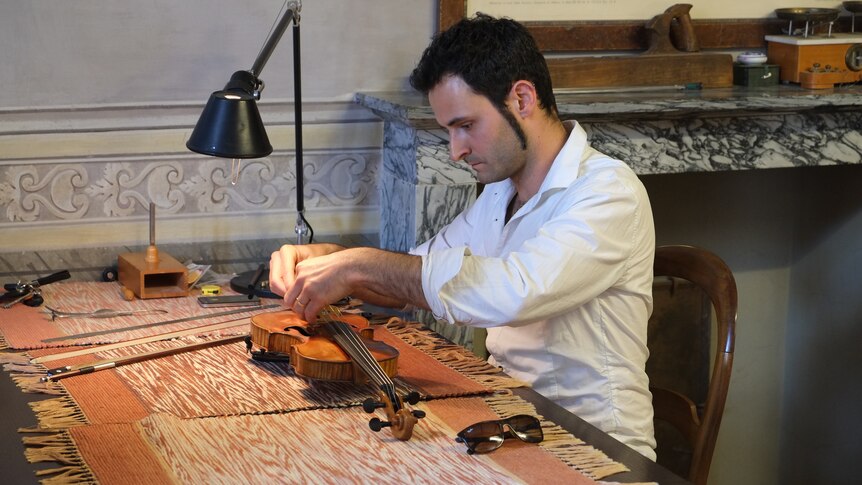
(98, 100)
(747, 218)
(793, 239)
(94, 52)
(821, 433)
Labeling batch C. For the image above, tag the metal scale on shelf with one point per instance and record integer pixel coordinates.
(816, 60)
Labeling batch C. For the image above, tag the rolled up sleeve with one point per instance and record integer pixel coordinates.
(438, 269)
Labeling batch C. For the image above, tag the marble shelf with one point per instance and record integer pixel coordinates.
(655, 132)
(606, 105)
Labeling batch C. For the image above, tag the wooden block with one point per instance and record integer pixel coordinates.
(827, 80)
(165, 278)
(711, 70)
(807, 64)
(787, 57)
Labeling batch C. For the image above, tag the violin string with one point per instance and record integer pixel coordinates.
(365, 359)
(383, 381)
(348, 338)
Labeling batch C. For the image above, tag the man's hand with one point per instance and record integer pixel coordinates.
(313, 276)
(282, 264)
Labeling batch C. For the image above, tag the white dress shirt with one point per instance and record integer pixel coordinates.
(564, 288)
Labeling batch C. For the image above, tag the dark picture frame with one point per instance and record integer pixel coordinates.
(628, 35)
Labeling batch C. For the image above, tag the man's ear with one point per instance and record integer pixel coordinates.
(524, 100)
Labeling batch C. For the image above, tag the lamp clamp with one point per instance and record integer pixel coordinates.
(246, 82)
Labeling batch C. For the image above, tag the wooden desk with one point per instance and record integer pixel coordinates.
(642, 469)
(15, 412)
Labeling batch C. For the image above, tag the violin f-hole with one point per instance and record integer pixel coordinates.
(298, 329)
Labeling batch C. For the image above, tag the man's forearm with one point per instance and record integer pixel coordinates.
(388, 278)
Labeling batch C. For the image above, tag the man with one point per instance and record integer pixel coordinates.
(555, 256)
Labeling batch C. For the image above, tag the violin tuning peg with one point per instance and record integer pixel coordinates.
(418, 414)
(369, 405)
(413, 397)
(376, 424)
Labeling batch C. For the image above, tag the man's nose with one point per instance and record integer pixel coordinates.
(457, 150)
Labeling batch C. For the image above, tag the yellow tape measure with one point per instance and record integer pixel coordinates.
(210, 290)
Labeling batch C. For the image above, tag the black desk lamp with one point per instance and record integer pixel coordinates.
(230, 127)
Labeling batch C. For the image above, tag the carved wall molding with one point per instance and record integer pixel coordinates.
(73, 179)
(117, 189)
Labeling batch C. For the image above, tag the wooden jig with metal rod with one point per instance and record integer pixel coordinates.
(151, 274)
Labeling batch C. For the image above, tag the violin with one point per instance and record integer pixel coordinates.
(339, 347)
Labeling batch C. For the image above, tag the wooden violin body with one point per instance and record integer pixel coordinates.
(339, 349)
(313, 353)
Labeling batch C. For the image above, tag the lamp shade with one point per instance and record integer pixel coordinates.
(230, 127)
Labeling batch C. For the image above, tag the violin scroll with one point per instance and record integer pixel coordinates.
(401, 421)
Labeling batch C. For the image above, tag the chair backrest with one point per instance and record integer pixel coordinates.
(695, 408)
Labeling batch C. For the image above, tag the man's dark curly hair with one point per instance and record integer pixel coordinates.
(489, 54)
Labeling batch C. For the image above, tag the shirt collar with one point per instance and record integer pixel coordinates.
(567, 163)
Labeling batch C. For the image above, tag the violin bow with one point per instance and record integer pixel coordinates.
(63, 372)
(139, 341)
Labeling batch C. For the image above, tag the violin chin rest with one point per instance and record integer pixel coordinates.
(264, 356)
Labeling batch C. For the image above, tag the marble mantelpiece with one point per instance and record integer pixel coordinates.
(654, 132)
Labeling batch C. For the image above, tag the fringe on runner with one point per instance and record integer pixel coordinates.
(569, 449)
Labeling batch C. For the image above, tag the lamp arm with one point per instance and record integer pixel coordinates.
(249, 81)
(290, 14)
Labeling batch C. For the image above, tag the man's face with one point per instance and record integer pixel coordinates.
(478, 133)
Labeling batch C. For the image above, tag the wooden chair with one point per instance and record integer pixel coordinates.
(688, 403)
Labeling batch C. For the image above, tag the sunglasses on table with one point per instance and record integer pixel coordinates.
(487, 436)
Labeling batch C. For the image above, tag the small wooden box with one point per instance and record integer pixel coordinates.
(755, 75)
(166, 278)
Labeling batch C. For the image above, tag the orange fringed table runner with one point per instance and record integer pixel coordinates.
(304, 448)
(153, 413)
(224, 380)
(216, 381)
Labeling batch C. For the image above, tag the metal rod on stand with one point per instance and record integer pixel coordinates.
(302, 228)
(152, 254)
